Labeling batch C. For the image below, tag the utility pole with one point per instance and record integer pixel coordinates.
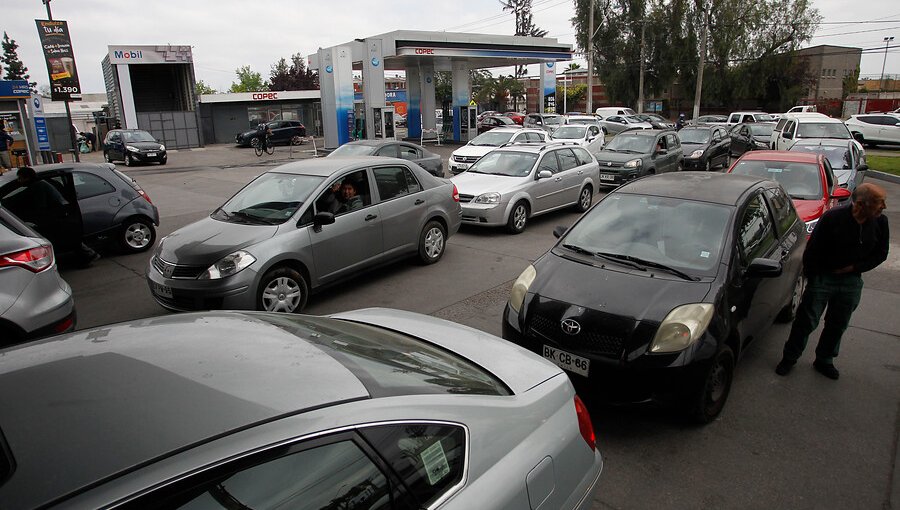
(590, 60)
(68, 110)
(700, 67)
(887, 41)
(640, 105)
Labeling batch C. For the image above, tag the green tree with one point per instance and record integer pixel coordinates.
(574, 96)
(295, 76)
(248, 81)
(850, 84)
(15, 69)
(203, 88)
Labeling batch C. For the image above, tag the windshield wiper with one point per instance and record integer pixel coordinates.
(223, 211)
(619, 259)
(578, 249)
(250, 217)
(655, 265)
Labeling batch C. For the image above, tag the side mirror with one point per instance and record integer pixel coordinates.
(841, 193)
(862, 168)
(322, 218)
(787, 136)
(559, 231)
(764, 268)
(544, 174)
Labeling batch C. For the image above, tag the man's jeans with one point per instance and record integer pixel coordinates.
(841, 294)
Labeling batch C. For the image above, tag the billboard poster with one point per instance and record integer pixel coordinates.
(57, 46)
(548, 78)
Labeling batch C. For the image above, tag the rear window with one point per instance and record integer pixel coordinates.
(390, 363)
(802, 181)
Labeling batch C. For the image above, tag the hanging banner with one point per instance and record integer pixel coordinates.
(54, 36)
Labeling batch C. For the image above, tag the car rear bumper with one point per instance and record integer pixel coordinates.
(43, 305)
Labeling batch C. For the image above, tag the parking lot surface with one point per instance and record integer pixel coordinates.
(801, 441)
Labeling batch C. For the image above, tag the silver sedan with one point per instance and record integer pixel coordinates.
(512, 184)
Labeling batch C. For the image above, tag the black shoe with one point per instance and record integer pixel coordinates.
(784, 366)
(827, 369)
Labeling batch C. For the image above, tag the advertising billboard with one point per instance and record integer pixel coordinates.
(60, 58)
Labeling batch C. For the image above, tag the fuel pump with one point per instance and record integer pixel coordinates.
(383, 120)
(468, 122)
(358, 131)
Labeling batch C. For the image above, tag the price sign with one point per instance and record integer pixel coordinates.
(60, 58)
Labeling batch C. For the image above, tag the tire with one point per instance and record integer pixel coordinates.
(258, 150)
(585, 198)
(137, 235)
(163, 161)
(789, 311)
(128, 160)
(518, 218)
(254, 142)
(282, 290)
(432, 243)
(709, 400)
(296, 140)
(270, 147)
(106, 157)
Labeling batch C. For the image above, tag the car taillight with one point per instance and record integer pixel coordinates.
(584, 423)
(145, 195)
(455, 194)
(35, 259)
(64, 325)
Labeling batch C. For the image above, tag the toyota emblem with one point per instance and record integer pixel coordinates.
(570, 326)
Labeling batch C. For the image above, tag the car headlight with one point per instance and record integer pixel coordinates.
(520, 288)
(132, 148)
(634, 163)
(811, 225)
(230, 264)
(487, 198)
(162, 147)
(682, 327)
(696, 154)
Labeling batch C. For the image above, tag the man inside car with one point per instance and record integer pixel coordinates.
(352, 200)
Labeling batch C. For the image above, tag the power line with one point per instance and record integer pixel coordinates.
(496, 16)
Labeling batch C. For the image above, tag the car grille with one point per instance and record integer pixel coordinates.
(610, 165)
(466, 198)
(466, 159)
(590, 340)
(175, 271)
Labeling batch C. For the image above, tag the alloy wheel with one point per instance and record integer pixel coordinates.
(282, 294)
(434, 242)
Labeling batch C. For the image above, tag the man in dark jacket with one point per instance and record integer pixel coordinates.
(846, 242)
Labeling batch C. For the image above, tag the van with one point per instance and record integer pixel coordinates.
(796, 126)
(736, 118)
(606, 111)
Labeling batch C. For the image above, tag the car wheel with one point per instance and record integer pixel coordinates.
(432, 242)
(584, 199)
(296, 140)
(106, 157)
(713, 393)
(789, 311)
(163, 161)
(128, 160)
(518, 218)
(282, 290)
(137, 235)
(254, 142)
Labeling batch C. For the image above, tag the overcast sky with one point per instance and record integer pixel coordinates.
(226, 34)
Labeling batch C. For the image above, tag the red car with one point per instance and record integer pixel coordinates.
(807, 178)
(516, 117)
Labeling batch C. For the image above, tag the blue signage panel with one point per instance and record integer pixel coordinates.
(43, 138)
(14, 89)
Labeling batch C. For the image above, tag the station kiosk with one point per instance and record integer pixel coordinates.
(468, 122)
(383, 119)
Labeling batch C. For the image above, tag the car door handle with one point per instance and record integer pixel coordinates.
(558, 179)
(419, 201)
(580, 172)
(371, 217)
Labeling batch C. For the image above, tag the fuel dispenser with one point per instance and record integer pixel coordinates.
(383, 120)
(358, 130)
(468, 122)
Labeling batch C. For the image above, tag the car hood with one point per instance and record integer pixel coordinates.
(652, 297)
(691, 147)
(473, 150)
(206, 241)
(617, 157)
(145, 145)
(469, 183)
(809, 210)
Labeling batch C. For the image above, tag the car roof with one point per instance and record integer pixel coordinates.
(645, 132)
(786, 156)
(809, 115)
(11, 176)
(328, 166)
(713, 187)
(376, 143)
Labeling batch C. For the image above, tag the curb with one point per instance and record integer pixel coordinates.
(875, 174)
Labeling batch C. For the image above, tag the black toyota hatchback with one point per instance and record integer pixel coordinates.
(656, 290)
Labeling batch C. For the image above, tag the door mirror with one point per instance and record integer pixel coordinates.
(787, 136)
(862, 168)
(322, 218)
(544, 174)
(841, 193)
(764, 268)
(559, 231)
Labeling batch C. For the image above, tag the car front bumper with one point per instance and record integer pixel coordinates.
(235, 292)
(617, 177)
(695, 163)
(488, 215)
(148, 157)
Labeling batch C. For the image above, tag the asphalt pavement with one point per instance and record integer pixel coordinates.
(799, 442)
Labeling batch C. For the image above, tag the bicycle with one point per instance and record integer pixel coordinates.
(269, 148)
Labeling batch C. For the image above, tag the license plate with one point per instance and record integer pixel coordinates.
(567, 361)
(607, 177)
(151, 154)
(162, 290)
(461, 166)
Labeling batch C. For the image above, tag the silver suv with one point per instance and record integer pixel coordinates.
(513, 183)
(34, 300)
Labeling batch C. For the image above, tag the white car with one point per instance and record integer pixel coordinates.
(797, 126)
(736, 118)
(465, 156)
(581, 119)
(606, 111)
(872, 129)
(589, 136)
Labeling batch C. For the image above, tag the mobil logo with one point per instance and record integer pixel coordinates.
(128, 54)
(263, 96)
(550, 65)
(424, 51)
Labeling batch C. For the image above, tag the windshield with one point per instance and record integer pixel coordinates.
(508, 163)
(630, 143)
(583, 120)
(492, 138)
(137, 136)
(822, 130)
(839, 157)
(802, 181)
(759, 129)
(676, 232)
(569, 133)
(353, 149)
(552, 119)
(634, 118)
(689, 135)
(271, 199)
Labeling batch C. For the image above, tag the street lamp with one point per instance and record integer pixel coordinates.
(887, 41)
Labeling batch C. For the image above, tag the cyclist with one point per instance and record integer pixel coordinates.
(262, 135)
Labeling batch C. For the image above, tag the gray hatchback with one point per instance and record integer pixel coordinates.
(303, 226)
(634, 154)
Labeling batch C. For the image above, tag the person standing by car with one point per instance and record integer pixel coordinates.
(680, 122)
(6, 143)
(846, 242)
